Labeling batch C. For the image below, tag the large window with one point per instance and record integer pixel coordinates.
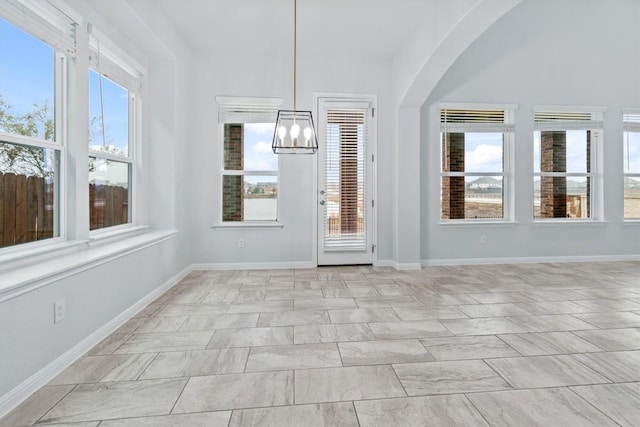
(110, 160)
(249, 166)
(564, 147)
(631, 150)
(30, 143)
(113, 115)
(475, 145)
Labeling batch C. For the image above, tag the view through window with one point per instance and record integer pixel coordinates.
(250, 173)
(29, 154)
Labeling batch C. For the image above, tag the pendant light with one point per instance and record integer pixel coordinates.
(294, 132)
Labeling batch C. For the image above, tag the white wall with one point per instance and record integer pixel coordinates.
(574, 52)
(29, 340)
(268, 75)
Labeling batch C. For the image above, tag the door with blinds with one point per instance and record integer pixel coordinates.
(345, 182)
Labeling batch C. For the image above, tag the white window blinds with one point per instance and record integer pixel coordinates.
(631, 120)
(109, 60)
(247, 110)
(345, 219)
(43, 20)
(550, 120)
(475, 120)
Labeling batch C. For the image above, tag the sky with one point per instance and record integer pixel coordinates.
(258, 155)
(26, 70)
(115, 104)
(27, 78)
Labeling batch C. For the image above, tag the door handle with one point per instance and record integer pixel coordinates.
(322, 202)
(322, 192)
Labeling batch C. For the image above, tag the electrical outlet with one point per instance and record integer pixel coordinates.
(59, 310)
(241, 243)
(483, 240)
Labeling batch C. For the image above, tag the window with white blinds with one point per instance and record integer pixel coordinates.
(346, 199)
(631, 166)
(249, 169)
(44, 21)
(36, 40)
(565, 142)
(475, 142)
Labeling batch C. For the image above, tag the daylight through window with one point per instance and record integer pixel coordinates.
(474, 144)
(631, 150)
(30, 149)
(564, 144)
(249, 166)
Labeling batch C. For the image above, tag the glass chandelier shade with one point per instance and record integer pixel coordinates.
(294, 133)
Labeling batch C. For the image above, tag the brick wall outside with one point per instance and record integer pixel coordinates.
(348, 178)
(553, 190)
(233, 185)
(453, 187)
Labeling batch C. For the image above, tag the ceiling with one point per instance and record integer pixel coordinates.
(364, 28)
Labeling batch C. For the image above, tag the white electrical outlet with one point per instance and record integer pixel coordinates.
(241, 243)
(59, 310)
(483, 240)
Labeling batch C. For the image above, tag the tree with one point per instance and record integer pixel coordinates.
(22, 159)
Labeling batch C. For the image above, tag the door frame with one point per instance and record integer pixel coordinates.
(373, 150)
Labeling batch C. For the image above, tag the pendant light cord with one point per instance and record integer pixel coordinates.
(295, 25)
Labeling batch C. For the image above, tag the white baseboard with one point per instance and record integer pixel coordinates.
(528, 260)
(32, 384)
(384, 263)
(253, 265)
(397, 265)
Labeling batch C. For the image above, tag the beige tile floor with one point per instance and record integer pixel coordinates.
(511, 345)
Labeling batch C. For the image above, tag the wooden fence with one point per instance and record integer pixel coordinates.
(27, 208)
(108, 206)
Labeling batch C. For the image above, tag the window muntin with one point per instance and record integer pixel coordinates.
(474, 147)
(631, 164)
(111, 108)
(29, 154)
(564, 143)
(249, 173)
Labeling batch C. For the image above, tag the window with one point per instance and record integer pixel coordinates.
(113, 112)
(631, 150)
(564, 143)
(249, 166)
(30, 142)
(475, 145)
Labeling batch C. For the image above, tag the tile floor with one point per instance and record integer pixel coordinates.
(511, 345)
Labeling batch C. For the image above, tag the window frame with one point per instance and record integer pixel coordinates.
(571, 123)
(243, 110)
(50, 33)
(630, 124)
(507, 129)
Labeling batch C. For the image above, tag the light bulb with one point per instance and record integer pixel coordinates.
(282, 132)
(307, 136)
(294, 132)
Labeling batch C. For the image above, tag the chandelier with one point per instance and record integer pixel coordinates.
(294, 132)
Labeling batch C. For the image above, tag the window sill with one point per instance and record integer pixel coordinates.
(19, 255)
(635, 222)
(267, 225)
(111, 234)
(476, 223)
(569, 222)
(35, 274)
